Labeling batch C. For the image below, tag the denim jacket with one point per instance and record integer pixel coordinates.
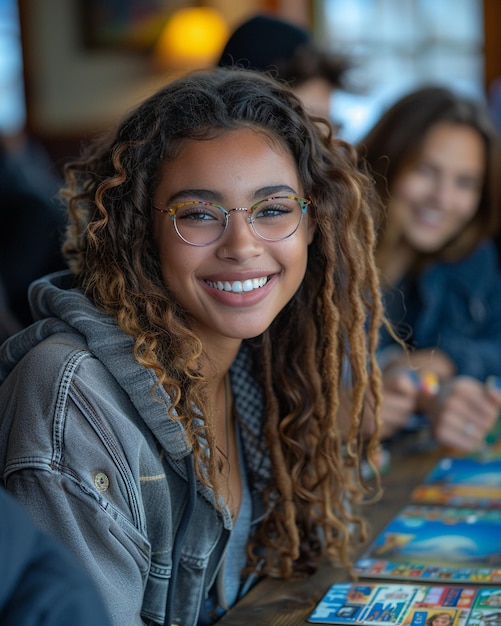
(459, 312)
(86, 444)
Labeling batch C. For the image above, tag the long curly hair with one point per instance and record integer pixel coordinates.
(329, 327)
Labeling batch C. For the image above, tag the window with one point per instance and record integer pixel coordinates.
(397, 45)
(12, 108)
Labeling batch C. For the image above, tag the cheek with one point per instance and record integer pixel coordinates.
(469, 204)
(175, 261)
(297, 256)
(178, 277)
(410, 188)
(171, 255)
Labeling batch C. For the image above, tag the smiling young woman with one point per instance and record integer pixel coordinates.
(175, 413)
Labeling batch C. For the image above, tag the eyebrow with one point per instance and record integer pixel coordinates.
(214, 196)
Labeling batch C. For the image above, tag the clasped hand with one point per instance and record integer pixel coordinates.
(462, 410)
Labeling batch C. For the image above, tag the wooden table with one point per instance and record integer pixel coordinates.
(289, 603)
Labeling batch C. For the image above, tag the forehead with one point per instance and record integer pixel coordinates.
(230, 158)
(456, 144)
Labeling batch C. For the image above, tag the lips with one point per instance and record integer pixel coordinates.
(430, 217)
(238, 286)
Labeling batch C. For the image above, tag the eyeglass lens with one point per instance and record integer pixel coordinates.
(201, 223)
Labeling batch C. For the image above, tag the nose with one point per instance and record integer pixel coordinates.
(239, 242)
(444, 192)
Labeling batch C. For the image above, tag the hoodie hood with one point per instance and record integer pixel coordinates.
(58, 307)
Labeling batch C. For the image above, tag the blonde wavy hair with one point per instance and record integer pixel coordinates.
(330, 326)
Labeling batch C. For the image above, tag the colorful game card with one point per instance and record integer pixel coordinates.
(462, 481)
(352, 603)
(408, 604)
(431, 543)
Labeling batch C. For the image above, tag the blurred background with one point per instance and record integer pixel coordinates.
(69, 68)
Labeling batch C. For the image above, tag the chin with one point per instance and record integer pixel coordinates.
(426, 245)
(249, 334)
(242, 335)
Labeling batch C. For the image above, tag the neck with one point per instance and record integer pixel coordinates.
(228, 414)
(219, 351)
(220, 397)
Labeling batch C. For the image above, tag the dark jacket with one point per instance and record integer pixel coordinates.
(41, 582)
(455, 307)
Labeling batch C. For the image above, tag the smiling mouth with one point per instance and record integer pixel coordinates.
(238, 286)
(429, 216)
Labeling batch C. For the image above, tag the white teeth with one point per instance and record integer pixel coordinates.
(238, 286)
(430, 216)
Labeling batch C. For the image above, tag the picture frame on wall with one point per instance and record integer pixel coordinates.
(125, 24)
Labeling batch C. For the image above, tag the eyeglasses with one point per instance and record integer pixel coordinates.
(202, 223)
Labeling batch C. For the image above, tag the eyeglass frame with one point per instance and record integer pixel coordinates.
(304, 203)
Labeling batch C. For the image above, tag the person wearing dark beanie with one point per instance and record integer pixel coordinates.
(287, 51)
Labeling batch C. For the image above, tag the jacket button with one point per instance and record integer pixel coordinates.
(101, 481)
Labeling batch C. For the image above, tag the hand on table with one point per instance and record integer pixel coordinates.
(464, 412)
(399, 400)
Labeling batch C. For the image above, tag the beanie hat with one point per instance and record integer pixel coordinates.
(261, 42)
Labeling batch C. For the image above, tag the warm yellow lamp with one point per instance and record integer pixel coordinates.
(192, 38)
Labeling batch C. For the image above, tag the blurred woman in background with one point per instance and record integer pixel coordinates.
(435, 158)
